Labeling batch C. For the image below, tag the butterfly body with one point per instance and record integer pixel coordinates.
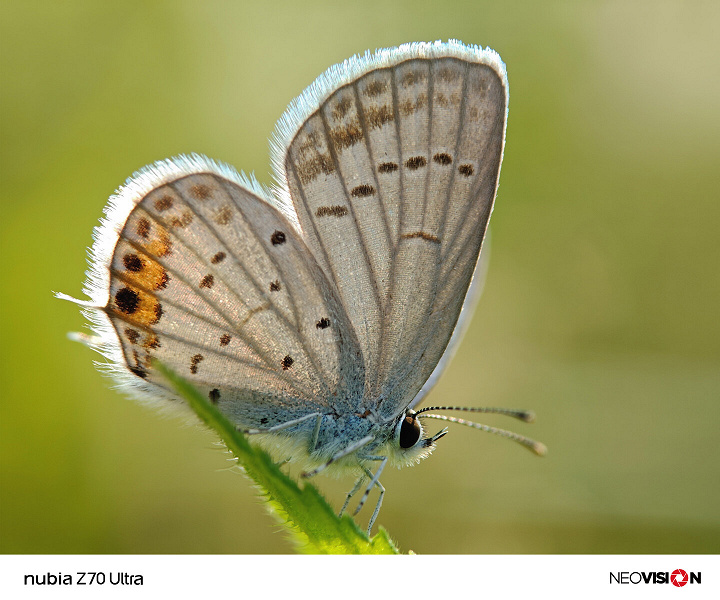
(319, 313)
(299, 445)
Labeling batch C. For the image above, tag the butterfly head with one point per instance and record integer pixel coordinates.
(408, 445)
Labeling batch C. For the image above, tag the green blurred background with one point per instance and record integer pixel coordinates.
(600, 309)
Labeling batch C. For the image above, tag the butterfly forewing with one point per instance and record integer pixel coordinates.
(215, 283)
(471, 194)
(393, 177)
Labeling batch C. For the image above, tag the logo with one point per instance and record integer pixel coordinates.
(679, 578)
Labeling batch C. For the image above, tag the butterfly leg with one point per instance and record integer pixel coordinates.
(316, 433)
(255, 431)
(351, 493)
(374, 481)
(344, 452)
(377, 507)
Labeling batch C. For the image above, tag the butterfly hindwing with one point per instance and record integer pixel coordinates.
(213, 281)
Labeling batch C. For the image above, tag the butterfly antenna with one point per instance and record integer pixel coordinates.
(536, 447)
(523, 415)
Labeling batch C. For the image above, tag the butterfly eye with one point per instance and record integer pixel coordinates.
(410, 431)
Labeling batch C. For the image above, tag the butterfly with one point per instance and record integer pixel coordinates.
(318, 313)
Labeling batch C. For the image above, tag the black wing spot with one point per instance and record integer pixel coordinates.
(309, 170)
(132, 335)
(151, 342)
(342, 108)
(387, 167)
(225, 339)
(323, 323)
(143, 228)
(331, 211)
(127, 300)
(423, 235)
(377, 116)
(287, 362)
(275, 286)
(163, 203)
(194, 362)
(162, 281)
(133, 263)
(207, 281)
(442, 158)
(182, 221)
(346, 135)
(466, 170)
(200, 191)
(214, 395)
(223, 216)
(415, 162)
(219, 257)
(277, 238)
(375, 88)
(363, 190)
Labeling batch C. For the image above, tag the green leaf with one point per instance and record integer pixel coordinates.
(305, 513)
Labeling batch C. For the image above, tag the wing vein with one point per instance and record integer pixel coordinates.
(218, 309)
(196, 344)
(301, 191)
(314, 361)
(456, 150)
(308, 393)
(430, 90)
(394, 248)
(260, 289)
(128, 281)
(478, 183)
(361, 238)
(368, 145)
